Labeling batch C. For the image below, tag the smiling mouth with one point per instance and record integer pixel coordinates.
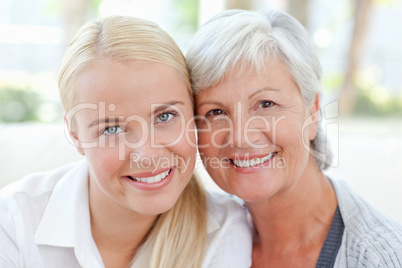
(252, 162)
(153, 179)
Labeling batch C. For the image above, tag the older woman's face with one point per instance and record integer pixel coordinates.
(254, 132)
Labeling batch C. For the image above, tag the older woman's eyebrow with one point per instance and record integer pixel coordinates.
(106, 120)
(164, 106)
(262, 90)
(209, 102)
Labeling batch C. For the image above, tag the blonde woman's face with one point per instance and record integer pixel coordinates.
(135, 127)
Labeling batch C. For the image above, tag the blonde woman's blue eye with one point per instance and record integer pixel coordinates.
(164, 117)
(112, 130)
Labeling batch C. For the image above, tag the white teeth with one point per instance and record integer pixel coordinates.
(155, 178)
(252, 162)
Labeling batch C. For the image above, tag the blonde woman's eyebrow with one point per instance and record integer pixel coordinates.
(105, 120)
(119, 119)
(161, 107)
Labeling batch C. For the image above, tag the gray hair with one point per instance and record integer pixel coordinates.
(247, 40)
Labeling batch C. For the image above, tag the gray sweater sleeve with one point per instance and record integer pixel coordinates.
(371, 238)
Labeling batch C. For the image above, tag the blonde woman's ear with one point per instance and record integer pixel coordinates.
(73, 134)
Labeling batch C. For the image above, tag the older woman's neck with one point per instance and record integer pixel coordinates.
(294, 218)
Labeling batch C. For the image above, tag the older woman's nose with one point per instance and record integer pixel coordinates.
(248, 132)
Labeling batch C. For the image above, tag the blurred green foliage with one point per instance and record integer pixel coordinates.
(188, 12)
(332, 81)
(22, 103)
(53, 8)
(376, 104)
(19, 105)
(366, 107)
(372, 99)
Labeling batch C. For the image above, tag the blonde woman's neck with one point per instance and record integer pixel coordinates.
(117, 232)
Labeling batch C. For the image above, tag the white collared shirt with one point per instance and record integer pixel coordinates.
(45, 222)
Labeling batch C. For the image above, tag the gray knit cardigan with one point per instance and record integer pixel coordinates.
(370, 238)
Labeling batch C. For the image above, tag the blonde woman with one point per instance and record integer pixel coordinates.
(133, 201)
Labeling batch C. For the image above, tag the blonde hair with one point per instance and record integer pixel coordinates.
(122, 39)
(178, 236)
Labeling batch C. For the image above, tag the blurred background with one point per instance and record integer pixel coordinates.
(359, 43)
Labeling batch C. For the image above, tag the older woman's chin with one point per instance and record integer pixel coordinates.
(251, 191)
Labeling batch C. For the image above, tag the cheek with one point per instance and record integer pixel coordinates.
(190, 135)
(293, 143)
(205, 145)
(103, 161)
(185, 145)
(290, 129)
(204, 139)
(182, 133)
(168, 135)
(209, 141)
(184, 157)
(175, 132)
(189, 140)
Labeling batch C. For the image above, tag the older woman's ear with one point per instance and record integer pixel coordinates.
(73, 134)
(314, 114)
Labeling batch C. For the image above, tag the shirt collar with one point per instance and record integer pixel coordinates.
(66, 221)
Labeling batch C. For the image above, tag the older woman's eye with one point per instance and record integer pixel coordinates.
(215, 112)
(112, 130)
(266, 104)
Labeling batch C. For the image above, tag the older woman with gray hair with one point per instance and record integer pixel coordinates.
(256, 79)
